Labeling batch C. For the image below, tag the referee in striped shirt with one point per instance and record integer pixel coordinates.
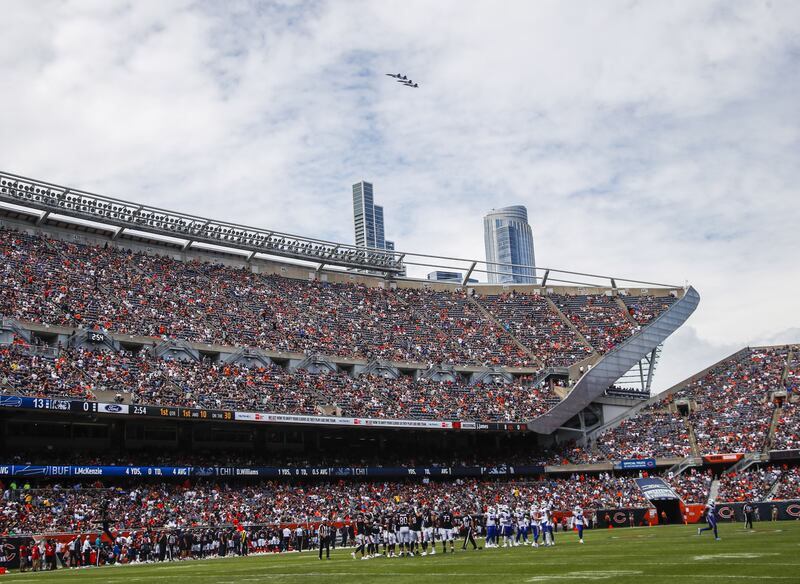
(324, 532)
(468, 523)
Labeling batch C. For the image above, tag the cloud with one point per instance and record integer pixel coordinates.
(656, 141)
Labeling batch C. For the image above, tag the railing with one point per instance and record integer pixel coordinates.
(47, 198)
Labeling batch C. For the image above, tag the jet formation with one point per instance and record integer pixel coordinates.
(403, 79)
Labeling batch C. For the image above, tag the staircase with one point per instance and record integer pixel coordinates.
(773, 490)
(544, 374)
(569, 323)
(595, 449)
(692, 438)
(773, 429)
(91, 312)
(749, 460)
(625, 311)
(789, 360)
(713, 491)
(14, 325)
(685, 464)
(511, 335)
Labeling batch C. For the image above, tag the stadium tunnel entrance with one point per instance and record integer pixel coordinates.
(669, 509)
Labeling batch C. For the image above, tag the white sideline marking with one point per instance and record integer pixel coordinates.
(734, 556)
(596, 575)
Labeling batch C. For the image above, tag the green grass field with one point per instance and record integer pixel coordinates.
(659, 554)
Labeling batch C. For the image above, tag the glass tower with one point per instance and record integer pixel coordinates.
(509, 242)
(368, 219)
(364, 214)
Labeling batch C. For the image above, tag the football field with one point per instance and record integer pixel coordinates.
(770, 553)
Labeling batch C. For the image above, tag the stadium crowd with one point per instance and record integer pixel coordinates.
(599, 318)
(204, 503)
(730, 412)
(651, 433)
(753, 484)
(538, 326)
(787, 434)
(645, 309)
(692, 486)
(57, 282)
(733, 411)
(789, 486)
(153, 381)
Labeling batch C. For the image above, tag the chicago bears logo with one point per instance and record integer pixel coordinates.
(8, 551)
(620, 517)
(725, 512)
(793, 510)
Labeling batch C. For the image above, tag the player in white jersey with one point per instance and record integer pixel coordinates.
(519, 521)
(577, 513)
(545, 524)
(491, 528)
(505, 526)
(535, 524)
(526, 525)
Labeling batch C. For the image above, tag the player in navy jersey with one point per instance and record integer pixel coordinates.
(711, 518)
(404, 532)
(361, 537)
(428, 531)
(375, 537)
(416, 530)
(446, 530)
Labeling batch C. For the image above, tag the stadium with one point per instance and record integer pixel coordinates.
(211, 385)
(404, 292)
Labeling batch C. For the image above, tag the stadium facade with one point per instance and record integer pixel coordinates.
(197, 350)
(575, 382)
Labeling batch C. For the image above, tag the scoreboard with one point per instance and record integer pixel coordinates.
(73, 406)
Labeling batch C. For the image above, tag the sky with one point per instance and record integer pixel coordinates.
(651, 140)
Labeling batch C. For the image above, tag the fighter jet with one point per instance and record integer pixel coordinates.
(400, 78)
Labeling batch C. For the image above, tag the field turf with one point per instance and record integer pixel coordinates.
(770, 553)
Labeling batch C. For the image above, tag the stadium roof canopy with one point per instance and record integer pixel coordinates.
(94, 212)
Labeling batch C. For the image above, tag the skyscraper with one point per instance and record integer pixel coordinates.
(364, 214)
(509, 240)
(368, 219)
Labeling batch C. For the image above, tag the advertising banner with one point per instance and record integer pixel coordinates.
(784, 454)
(264, 471)
(70, 406)
(637, 463)
(9, 551)
(610, 518)
(717, 458)
(767, 511)
(655, 489)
